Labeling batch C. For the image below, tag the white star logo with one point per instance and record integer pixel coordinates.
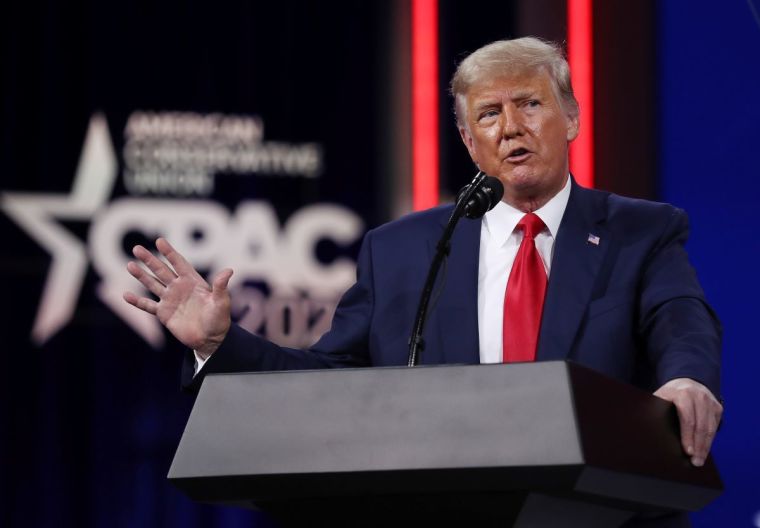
(41, 215)
(37, 214)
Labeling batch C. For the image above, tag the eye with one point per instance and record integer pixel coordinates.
(488, 114)
(533, 103)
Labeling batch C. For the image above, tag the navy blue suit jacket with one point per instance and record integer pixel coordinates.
(630, 307)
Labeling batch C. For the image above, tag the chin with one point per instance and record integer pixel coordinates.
(522, 182)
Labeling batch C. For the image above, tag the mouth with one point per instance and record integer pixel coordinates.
(518, 155)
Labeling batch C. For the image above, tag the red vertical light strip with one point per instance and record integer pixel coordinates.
(580, 45)
(424, 104)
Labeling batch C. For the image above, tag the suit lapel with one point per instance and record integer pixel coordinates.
(575, 265)
(454, 320)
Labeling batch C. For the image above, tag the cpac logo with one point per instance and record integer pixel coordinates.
(303, 291)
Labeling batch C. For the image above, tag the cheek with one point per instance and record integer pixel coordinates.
(548, 126)
(535, 126)
(490, 134)
(551, 135)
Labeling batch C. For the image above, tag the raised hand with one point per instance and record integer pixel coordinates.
(196, 313)
(699, 414)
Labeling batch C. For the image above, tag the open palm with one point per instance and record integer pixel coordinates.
(196, 313)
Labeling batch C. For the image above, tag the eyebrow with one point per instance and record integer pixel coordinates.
(488, 103)
(496, 101)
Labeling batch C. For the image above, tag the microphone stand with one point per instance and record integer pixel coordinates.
(416, 341)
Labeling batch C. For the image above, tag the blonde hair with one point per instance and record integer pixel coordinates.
(508, 57)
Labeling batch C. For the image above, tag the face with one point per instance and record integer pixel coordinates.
(516, 129)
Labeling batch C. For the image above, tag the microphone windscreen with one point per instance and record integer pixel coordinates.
(488, 193)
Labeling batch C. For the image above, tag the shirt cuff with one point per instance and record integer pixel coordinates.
(199, 362)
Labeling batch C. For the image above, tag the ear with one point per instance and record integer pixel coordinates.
(468, 142)
(573, 126)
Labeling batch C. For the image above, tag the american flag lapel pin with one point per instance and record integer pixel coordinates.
(593, 239)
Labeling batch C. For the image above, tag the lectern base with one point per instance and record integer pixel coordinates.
(544, 511)
(519, 510)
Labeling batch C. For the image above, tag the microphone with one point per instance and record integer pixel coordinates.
(479, 196)
(483, 198)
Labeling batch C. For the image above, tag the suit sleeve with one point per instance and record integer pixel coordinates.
(344, 345)
(681, 331)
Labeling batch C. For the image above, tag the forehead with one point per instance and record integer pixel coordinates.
(520, 84)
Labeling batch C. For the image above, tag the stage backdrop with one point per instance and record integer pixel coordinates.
(268, 136)
(709, 108)
(246, 133)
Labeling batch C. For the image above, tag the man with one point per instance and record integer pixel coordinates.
(554, 271)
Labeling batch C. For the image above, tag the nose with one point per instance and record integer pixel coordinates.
(512, 126)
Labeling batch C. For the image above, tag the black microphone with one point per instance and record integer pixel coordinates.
(483, 199)
(480, 195)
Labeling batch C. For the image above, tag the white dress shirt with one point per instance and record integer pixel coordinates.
(199, 362)
(499, 242)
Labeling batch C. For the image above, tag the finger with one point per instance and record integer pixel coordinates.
(175, 258)
(159, 269)
(700, 431)
(220, 283)
(143, 303)
(706, 424)
(686, 419)
(146, 279)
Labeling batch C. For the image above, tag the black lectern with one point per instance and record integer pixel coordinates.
(529, 445)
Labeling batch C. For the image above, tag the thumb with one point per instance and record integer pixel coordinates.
(220, 282)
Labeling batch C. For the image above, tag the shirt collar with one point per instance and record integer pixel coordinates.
(503, 218)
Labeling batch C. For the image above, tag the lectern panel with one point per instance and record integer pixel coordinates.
(477, 416)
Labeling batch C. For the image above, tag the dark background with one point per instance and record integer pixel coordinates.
(90, 418)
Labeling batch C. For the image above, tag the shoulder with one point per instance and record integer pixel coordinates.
(414, 225)
(632, 214)
(406, 240)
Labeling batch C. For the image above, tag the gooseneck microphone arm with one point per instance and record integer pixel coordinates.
(481, 195)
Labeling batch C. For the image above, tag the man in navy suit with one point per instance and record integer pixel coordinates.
(621, 297)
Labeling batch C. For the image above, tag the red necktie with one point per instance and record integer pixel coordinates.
(524, 299)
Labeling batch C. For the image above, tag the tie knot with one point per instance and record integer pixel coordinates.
(531, 225)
